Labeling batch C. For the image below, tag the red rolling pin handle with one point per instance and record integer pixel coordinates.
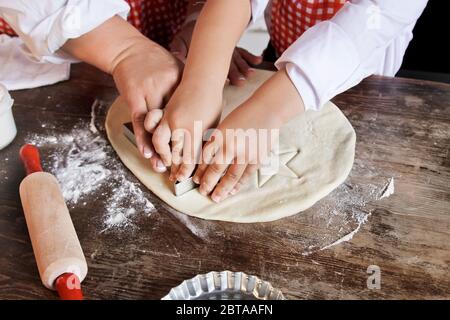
(68, 285)
(30, 158)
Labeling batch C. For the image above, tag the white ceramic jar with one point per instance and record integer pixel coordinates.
(8, 128)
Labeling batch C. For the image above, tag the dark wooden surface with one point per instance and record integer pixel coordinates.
(403, 129)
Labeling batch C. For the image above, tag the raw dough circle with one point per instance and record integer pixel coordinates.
(317, 147)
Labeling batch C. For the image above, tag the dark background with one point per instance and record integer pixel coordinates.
(428, 55)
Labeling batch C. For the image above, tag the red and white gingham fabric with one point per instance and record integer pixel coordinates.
(5, 28)
(290, 18)
(159, 20)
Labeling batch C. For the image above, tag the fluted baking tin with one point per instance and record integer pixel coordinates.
(225, 285)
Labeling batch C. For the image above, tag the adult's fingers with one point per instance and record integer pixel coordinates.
(249, 57)
(235, 76)
(152, 119)
(160, 88)
(157, 164)
(249, 171)
(228, 181)
(161, 143)
(243, 66)
(153, 99)
(138, 113)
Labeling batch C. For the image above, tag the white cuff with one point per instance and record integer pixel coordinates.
(319, 63)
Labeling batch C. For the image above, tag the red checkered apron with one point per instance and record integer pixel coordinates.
(290, 18)
(159, 20)
(5, 28)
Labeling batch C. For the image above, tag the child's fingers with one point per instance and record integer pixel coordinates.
(214, 172)
(211, 177)
(177, 149)
(198, 175)
(228, 181)
(249, 171)
(161, 143)
(152, 119)
(173, 172)
(185, 170)
(249, 57)
(235, 76)
(191, 150)
(209, 150)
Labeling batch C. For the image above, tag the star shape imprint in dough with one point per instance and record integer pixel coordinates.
(277, 165)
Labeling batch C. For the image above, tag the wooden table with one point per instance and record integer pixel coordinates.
(403, 130)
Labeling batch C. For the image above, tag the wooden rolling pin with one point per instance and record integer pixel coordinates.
(60, 259)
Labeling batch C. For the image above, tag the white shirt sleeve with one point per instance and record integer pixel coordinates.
(365, 37)
(258, 8)
(45, 25)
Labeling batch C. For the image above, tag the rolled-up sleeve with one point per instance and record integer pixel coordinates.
(45, 25)
(365, 37)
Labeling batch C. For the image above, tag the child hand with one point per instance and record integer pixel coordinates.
(241, 62)
(246, 136)
(146, 76)
(229, 161)
(175, 139)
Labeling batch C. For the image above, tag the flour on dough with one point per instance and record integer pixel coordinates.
(316, 155)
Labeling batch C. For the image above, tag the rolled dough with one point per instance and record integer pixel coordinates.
(316, 154)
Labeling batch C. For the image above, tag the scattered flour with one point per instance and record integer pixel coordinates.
(3, 171)
(361, 220)
(92, 126)
(346, 207)
(388, 190)
(84, 165)
(82, 171)
(196, 230)
(342, 213)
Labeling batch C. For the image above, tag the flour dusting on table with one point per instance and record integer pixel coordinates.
(92, 126)
(388, 190)
(361, 219)
(343, 212)
(194, 228)
(82, 162)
